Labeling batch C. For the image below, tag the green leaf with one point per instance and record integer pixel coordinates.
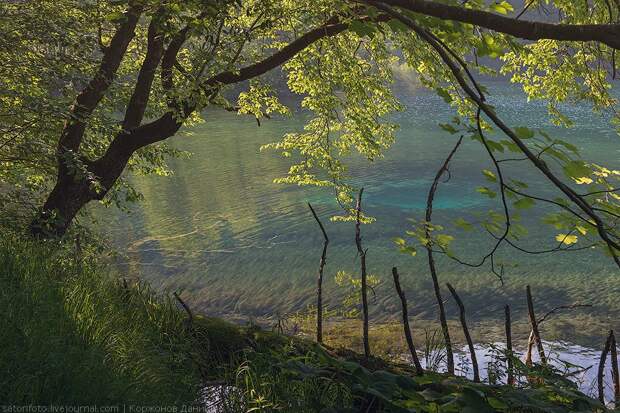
(489, 175)
(444, 239)
(448, 128)
(524, 133)
(524, 203)
(460, 222)
(578, 170)
(486, 191)
(398, 26)
(494, 146)
(511, 146)
(362, 29)
(502, 7)
(400, 241)
(444, 94)
(489, 47)
(566, 239)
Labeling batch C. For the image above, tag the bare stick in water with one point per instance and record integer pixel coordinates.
(601, 368)
(403, 300)
(362, 254)
(190, 316)
(319, 281)
(470, 343)
(509, 370)
(614, 368)
(534, 323)
(431, 259)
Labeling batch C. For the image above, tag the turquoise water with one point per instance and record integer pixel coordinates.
(237, 244)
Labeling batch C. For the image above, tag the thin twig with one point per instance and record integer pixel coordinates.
(190, 316)
(615, 376)
(431, 259)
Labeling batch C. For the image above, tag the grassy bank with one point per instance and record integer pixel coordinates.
(72, 333)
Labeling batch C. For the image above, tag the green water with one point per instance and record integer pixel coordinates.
(237, 244)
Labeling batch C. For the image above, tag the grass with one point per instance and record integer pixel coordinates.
(70, 333)
(73, 334)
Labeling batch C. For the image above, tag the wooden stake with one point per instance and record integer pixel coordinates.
(319, 281)
(403, 300)
(534, 323)
(470, 343)
(601, 368)
(509, 370)
(362, 254)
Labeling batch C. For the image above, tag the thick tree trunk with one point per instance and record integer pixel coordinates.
(61, 207)
(71, 193)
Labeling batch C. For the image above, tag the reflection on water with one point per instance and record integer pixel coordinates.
(236, 243)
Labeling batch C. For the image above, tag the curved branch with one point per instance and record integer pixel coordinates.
(88, 99)
(169, 123)
(608, 34)
(431, 260)
(578, 200)
(142, 90)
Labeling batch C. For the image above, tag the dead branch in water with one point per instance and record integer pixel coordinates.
(601, 368)
(190, 316)
(319, 281)
(510, 380)
(534, 323)
(614, 369)
(362, 254)
(403, 300)
(561, 307)
(470, 343)
(431, 259)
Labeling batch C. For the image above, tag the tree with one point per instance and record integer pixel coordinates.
(154, 65)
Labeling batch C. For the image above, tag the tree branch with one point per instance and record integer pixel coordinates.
(140, 97)
(88, 99)
(168, 124)
(538, 163)
(608, 34)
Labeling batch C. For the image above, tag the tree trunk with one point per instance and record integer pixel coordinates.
(71, 193)
(62, 205)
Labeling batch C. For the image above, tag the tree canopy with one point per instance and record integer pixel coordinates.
(91, 89)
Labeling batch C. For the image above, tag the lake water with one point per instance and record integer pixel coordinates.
(238, 245)
(579, 364)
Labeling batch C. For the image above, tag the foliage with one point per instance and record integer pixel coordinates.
(344, 81)
(72, 334)
(351, 301)
(317, 381)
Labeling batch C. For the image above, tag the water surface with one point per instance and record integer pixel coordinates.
(237, 244)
